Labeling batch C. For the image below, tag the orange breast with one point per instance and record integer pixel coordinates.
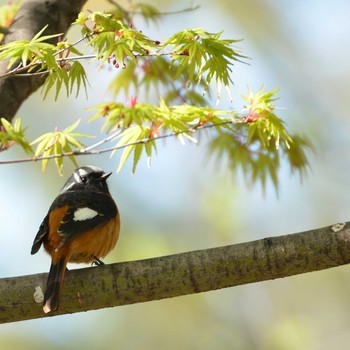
(95, 243)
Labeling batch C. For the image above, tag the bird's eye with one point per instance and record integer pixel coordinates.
(83, 179)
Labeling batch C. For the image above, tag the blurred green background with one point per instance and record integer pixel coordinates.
(186, 202)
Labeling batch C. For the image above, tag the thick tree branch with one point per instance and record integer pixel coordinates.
(181, 274)
(32, 16)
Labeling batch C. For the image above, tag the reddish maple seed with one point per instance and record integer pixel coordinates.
(157, 42)
(251, 117)
(67, 67)
(114, 62)
(132, 101)
(117, 34)
(85, 26)
(144, 66)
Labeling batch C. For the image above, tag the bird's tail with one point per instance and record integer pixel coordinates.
(53, 286)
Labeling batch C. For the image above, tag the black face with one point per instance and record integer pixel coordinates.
(88, 178)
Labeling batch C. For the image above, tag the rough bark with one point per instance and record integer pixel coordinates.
(33, 16)
(186, 273)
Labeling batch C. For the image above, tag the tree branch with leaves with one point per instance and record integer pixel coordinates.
(180, 69)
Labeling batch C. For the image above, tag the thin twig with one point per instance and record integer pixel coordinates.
(187, 9)
(121, 8)
(127, 13)
(73, 44)
(90, 151)
(20, 68)
(18, 71)
(97, 144)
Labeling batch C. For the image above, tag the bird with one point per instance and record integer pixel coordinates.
(82, 226)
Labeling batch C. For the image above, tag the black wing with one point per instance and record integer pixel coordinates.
(43, 231)
(101, 206)
(71, 226)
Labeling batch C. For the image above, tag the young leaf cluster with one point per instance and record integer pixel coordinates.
(253, 141)
(141, 124)
(37, 56)
(56, 143)
(194, 58)
(111, 38)
(27, 52)
(13, 134)
(204, 56)
(259, 141)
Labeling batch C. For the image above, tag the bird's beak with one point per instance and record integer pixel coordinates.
(105, 176)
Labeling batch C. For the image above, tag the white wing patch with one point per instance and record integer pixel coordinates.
(82, 214)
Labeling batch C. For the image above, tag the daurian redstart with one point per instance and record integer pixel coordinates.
(81, 226)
